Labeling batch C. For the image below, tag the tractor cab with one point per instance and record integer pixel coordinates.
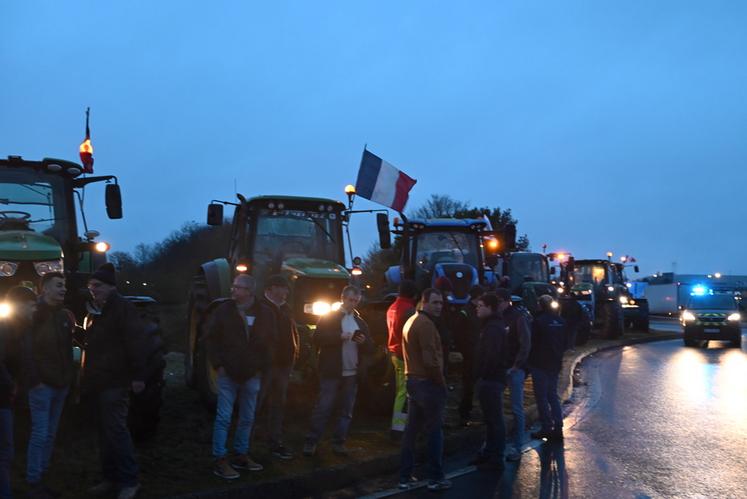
(40, 204)
(444, 253)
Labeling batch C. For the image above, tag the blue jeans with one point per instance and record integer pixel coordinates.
(330, 389)
(516, 390)
(490, 394)
(546, 394)
(6, 451)
(426, 403)
(45, 404)
(228, 392)
(118, 464)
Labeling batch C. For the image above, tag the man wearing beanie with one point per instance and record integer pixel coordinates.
(114, 364)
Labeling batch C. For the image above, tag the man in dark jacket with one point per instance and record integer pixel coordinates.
(518, 344)
(545, 360)
(49, 367)
(284, 354)
(342, 337)
(239, 337)
(18, 313)
(466, 336)
(490, 371)
(114, 363)
(396, 316)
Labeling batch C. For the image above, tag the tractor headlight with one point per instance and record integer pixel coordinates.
(47, 267)
(688, 316)
(8, 269)
(624, 300)
(321, 307)
(735, 317)
(610, 288)
(5, 310)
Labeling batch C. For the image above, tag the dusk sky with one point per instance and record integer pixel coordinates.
(616, 126)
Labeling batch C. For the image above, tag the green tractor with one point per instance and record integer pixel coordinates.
(298, 237)
(39, 225)
(600, 282)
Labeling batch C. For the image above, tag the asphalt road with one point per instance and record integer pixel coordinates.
(652, 420)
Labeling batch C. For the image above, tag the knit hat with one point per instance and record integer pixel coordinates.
(105, 274)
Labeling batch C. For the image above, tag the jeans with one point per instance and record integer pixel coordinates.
(329, 391)
(228, 392)
(516, 390)
(426, 403)
(45, 404)
(399, 416)
(490, 394)
(546, 394)
(273, 395)
(6, 451)
(116, 450)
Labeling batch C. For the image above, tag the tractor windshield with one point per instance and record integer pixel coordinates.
(436, 247)
(528, 267)
(31, 200)
(285, 234)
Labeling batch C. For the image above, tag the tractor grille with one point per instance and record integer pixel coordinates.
(461, 277)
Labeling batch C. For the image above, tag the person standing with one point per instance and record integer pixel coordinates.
(396, 315)
(426, 391)
(518, 345)
(50, 370)
(114, 364)
(341, 337)
(490, 371)
(284, 354)
(466, 337)
(545, 360)
(21, 302)
(239, 336)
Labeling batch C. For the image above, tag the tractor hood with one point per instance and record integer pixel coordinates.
(312, 267)
(16, 245)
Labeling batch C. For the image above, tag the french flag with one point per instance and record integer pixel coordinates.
(383, 183)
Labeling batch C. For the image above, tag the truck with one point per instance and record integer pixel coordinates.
(300, 238)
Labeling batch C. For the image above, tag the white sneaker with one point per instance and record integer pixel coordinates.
(129, 492)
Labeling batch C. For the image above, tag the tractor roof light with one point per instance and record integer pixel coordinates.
(102, 247)
(350, 189)
(242, 267)
(356, 271)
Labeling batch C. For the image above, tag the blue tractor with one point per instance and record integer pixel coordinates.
(445, 253)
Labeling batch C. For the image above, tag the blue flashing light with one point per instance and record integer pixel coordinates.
(699, 290)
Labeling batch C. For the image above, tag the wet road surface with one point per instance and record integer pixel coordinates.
(652, 420)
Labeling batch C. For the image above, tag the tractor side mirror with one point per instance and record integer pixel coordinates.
(113, 197)
(636, 269)
(215, 214)
(382, 224)
(552, 270)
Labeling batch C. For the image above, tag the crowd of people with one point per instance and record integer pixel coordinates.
(252, 342)
(501, 344)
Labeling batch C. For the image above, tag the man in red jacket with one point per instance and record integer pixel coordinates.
(396, 316)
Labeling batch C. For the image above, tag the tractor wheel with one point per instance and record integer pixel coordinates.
(198, 301)
(613, 324)
(145, 407)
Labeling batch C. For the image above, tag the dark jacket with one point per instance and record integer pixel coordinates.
(49, 349)
(241, 349)
(286, 347)
(327, 338)
(548, 342)
(490, 364)
(115, 349)
(11, 356)
(519, 338)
